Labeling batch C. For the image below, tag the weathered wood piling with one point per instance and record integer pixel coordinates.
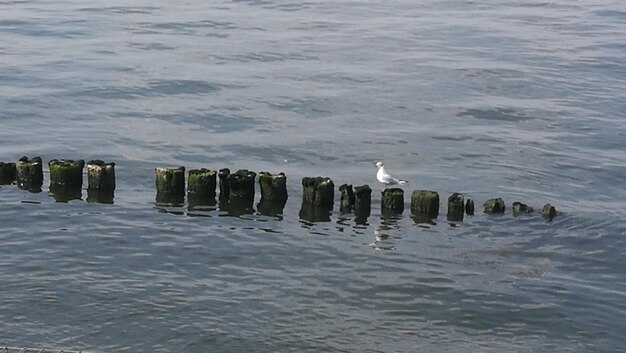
(392, 201)
(100, 175)
(425, 202)
(66, 173)
(456, 207)
(170, 185)
(7, 173)
(201, 186)
(273, 193)
(494, 206)
(29, 173)
(318, 191)
(241, 185)
(223, 183)
(346, 198)
(362, 201)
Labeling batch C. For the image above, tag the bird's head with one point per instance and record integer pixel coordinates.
(379, 164)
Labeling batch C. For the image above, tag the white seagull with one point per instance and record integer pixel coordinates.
(385, 178)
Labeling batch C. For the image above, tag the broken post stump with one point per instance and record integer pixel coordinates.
(425, 202)
(170, 185)
(548, 211)
(66, 172)
(346, 198)
(392, 201)
(7, 173)
(494, 206)
(363, 201)
(318, 191)
(519, 208)
(456, 207)
(469, 207)
(29, 173)
(100, 175)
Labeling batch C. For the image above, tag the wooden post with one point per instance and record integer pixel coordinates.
(392, 201)
(494, 206)
(425, 202)
(29, 173)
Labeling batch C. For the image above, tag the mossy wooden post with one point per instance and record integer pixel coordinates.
(346, 198)
(494, 206)
(201, 186)
(392, 201)
(66, 172)
(424, 202)
(318, 191)
(469, 207)
(29, 173)
(224, 188)
(363, 201)
(7, 173)
(170, 185)
(548, 211)
(456, 207)
(520, 208)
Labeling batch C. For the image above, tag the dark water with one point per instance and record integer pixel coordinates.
(522, 100)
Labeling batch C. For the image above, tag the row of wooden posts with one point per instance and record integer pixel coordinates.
(238, 190)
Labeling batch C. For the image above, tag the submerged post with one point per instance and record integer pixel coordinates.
(494, 206)
(7, 173)
(392, 201)
(548, 211)
(362, 201)
(66, 173)
(346, 198)
(29, 173)
(456, 207)
(318, 191)
(519, 208)
(424, 202)
(170, 184)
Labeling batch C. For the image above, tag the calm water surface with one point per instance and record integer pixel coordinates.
(522, 100)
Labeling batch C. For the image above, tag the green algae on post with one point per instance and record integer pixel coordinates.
(170, 181)
(362, 201)
(241, 184)
(392, 201)
(519, 208)
(456, 207)
(548, 211)
(494, 206)
(7, 173)
(425, 202)
(346, 198)
(318, 191)
(100, 176)
(469, 207)
(202, 183)
(66, 172)
(29, 173)
(273, 187)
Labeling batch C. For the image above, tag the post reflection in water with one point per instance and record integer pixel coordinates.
(313, 213)
(382, 234)
(65, 193)
(100, 196)
(271, 208)
(236, 207)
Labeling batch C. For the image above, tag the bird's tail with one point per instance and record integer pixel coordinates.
(402, 182)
